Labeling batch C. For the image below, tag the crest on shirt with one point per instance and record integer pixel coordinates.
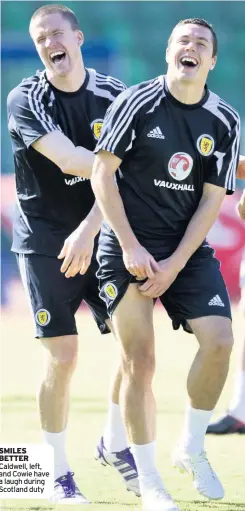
(110, 291)
(205, 144)
(96, 127)
(180, 166)
(42, 317)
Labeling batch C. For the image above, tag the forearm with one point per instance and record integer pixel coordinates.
(241, 167)
(241, 206)
(79, 162)
(58, 148)
(93, 220)
(111, 206)
(196, 232)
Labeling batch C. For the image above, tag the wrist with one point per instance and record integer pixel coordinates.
(130, 244)
(178, 261)
(86, 228)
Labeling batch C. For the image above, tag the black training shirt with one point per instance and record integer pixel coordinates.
(51, 204)
(169, 150)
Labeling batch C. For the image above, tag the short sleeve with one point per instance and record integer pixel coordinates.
(224, 161)
(29, 114)
(117, 132)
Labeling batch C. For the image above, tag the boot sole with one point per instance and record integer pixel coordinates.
(182, 469)
(102, 462)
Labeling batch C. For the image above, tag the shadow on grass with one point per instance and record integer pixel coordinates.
(37, 508)
(215, 505)
(193, 505)
(105, 503)
(26, 508)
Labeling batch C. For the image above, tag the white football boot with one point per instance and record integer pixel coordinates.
(157, 499)
(205, 480)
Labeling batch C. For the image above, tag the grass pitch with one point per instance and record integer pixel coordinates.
(21, 367)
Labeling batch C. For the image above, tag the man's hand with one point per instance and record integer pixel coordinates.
(241, 168)
(162, 279)
(241, 206)
(140, 263)
(77, 251)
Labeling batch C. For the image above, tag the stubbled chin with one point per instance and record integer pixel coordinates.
(61, 69)
(188, 72)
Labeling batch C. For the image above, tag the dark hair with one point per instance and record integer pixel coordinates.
(65, 12)
(203, 23)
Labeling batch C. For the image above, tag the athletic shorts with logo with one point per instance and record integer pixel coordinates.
(199, 289)
(54, 299)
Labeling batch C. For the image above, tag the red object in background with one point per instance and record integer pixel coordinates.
(227, 236)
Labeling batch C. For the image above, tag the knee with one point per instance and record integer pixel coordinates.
(65, 362)
(62, 356)
(139, 364)
(220, 344)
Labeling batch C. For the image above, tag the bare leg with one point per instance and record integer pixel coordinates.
(209, 370)
(115, 436)
(234, 420)
(204, 384)
(53, 398)
(237, 405)
(133, 324)
(206, 377)
(117, 377)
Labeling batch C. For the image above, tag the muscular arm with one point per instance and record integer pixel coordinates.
(195, 233)
(93, 220)
(109, 199)
(200, 224)
(78, 247)
(136, 258)
(241, 206)
(241, 167)
(31, 118)
(58, 148)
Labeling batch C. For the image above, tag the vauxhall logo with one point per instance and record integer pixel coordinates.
(173, 186)
(75, 180)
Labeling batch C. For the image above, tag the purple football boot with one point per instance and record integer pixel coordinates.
(123, 462)
(67, 492)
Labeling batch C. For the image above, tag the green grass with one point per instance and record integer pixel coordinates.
(21, 369)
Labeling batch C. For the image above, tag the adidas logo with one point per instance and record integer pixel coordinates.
(155, 133)
(216, 300)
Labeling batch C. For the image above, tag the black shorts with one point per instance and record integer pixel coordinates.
(199, 289)
(54, 299)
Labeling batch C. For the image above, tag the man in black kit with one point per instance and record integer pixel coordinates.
(54, 120)
(177, 146)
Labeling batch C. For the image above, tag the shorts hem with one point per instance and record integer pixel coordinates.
(103, 328)
(225, 315)
(48, 336)
(184, 322)
(111, 309)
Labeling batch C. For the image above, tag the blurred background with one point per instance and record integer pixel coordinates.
(128, 40)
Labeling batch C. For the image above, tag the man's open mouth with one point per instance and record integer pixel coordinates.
(57, 56)
(189, 61)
